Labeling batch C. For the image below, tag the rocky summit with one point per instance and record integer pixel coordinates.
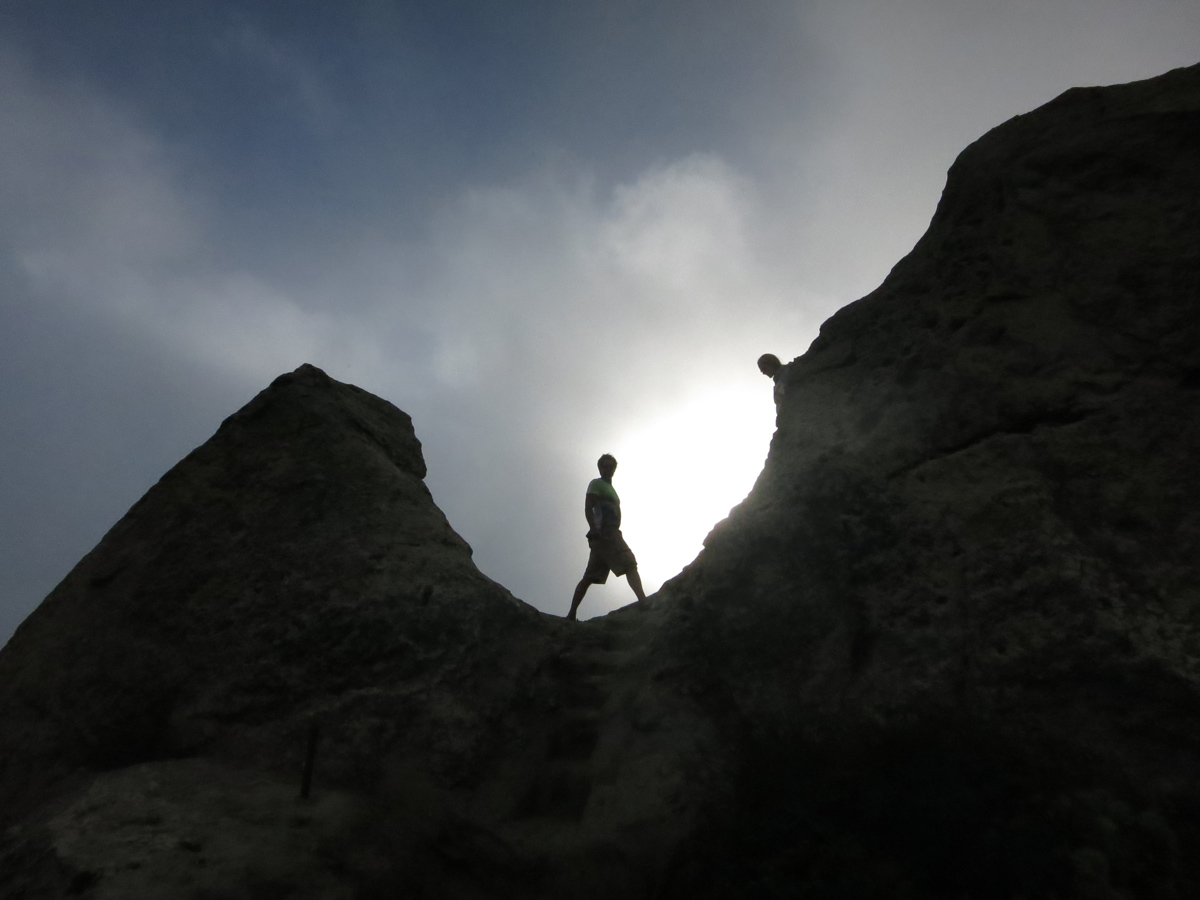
(948, 647)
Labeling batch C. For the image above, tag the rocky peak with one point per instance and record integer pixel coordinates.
(294, 559)
(959, 609)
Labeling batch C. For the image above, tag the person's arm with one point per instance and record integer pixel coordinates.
(589, 511)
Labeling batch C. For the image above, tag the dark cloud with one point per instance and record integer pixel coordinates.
(375, 110)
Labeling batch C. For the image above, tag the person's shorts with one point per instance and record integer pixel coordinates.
(609, 553)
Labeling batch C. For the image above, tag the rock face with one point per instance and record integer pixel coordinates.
(949, 646)
(961, 608)
(157, 708)
(293, 569)
(295, 558)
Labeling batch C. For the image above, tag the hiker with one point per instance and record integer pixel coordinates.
(770, 366)
(609, 552)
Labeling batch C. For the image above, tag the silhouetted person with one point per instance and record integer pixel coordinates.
(770, 366)
(602, 507)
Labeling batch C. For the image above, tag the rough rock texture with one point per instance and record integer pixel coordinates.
(961, 608)
(294, 568)
(949, 646)
(156, 709)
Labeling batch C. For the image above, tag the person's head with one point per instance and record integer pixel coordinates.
(607, 464)
(769, 364)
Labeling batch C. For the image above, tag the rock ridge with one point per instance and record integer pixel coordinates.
(949, 646)
(968, 565)
(206, 618)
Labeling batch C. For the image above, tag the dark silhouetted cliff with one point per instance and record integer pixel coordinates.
(948, 647)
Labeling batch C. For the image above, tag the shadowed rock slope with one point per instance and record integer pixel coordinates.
(292, 569)
(948, 647)
(156, 709)
(960, 611)
(291, 565)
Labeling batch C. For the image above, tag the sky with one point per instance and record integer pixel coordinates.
(545, 229)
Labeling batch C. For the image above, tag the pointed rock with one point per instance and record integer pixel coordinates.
(292, 568)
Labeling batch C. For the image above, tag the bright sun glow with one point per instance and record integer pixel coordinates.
(680, 473)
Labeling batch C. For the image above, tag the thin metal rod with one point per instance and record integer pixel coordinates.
(310, 757)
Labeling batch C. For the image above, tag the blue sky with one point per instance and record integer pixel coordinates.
(544, 229)
(378, 109)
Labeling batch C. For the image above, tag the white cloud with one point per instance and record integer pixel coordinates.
(916, 82)
(681, 231)
(537, 322)
(77, 175)
(573, 320)
(659, 278)
(97, 223)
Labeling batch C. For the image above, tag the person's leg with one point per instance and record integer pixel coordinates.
(580, 590)
(635, 582)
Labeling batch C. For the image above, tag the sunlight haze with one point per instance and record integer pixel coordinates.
(680, 473)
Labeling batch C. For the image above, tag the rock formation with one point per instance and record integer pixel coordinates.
(948, 647)
(960, 608)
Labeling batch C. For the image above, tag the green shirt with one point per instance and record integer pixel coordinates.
(608, 501)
